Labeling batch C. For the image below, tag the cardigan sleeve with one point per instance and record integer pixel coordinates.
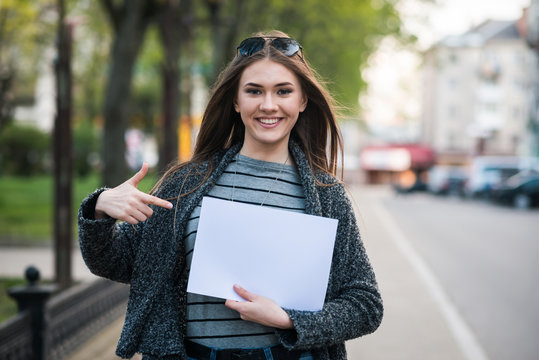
(353, 305)
(107, 246)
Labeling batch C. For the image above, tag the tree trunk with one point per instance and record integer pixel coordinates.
(63, 155)
(186, 88)
(131, 25)
(169, 149)
(170, 30)
(224, 31)
(6, 97)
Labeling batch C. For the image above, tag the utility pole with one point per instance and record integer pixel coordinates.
(62, 153)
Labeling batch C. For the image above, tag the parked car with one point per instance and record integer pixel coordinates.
(447, 180)
(520, 190)
(489, 172)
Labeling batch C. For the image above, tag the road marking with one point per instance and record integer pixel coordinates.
(464, 336)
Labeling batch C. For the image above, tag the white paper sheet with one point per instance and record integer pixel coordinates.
(282, 255)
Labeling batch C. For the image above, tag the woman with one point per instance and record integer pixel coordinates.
(263, 140)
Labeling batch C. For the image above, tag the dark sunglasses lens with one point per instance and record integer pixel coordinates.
(287, 46)
(250, 46)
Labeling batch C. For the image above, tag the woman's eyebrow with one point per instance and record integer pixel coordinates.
(276, 85)
(252, 84)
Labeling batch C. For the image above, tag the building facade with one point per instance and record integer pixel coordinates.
(477, 92)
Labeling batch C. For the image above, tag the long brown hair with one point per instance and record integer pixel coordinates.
(222, 127)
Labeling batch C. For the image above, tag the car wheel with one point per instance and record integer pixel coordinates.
(522, 201)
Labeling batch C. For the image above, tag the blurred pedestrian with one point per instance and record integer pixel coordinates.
(264, 140)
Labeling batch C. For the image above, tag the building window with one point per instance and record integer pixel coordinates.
(451, 141)
(518, 58)
(515, 139)
(452, 111)
(491, 107)
(519, 85)
(516, 113)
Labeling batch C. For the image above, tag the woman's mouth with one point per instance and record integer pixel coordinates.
(269, 121)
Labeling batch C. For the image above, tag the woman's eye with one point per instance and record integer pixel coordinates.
(253, 91)
(284, 91)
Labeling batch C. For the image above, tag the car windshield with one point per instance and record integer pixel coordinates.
(521, 178)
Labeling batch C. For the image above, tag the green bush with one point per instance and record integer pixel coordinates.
(24, 150)
(27, 151)
(85, 149)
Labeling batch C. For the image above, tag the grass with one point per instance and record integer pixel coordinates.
(8, 306)
(26, 207)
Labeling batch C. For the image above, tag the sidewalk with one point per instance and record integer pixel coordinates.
(14, 261)
(413, 327)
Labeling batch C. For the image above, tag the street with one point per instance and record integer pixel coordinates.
(484, 259)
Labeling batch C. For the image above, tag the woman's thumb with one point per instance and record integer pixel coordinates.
(135, 180)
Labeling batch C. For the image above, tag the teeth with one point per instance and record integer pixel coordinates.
(268, 121)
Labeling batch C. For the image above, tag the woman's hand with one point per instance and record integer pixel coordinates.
(260, 310)
(125, 202)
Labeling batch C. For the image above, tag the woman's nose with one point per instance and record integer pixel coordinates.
(268, 103)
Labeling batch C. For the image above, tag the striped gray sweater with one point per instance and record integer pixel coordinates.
(247, 181)
(149, 256)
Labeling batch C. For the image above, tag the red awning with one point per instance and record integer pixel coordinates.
(396, 157)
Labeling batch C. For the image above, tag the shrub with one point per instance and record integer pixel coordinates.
(24, 150)
(85, 149)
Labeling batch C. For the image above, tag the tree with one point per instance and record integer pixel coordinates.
(338, 36)
(90, 55)
(25, 30)
(63, 151)
(129, 21)
(170, 21)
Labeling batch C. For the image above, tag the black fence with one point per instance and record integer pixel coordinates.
(16, 337)
(52, 325)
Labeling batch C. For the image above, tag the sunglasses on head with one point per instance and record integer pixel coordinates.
(252, 45)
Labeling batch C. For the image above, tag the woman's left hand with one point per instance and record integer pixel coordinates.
(260, 310)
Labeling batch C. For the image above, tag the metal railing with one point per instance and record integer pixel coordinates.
(16, 337)
(52, 325)
(79, 313)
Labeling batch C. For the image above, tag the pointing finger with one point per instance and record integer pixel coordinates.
(154, 200)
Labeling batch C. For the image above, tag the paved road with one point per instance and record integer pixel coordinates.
(486, 257)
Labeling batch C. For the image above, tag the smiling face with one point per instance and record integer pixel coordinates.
(269, 101)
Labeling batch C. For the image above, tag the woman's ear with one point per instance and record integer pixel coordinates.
(236, 107)
(303, 104)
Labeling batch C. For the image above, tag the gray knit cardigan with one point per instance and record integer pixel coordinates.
(150, 258)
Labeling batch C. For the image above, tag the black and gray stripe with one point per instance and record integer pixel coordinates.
(248, 181)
